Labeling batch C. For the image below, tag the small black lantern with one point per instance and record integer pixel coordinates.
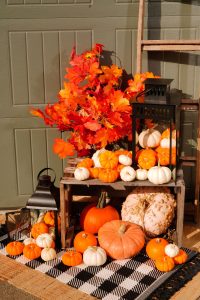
(161, 106)
(46, 198)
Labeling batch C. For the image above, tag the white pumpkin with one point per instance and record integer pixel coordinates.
(44, 240)
(95, 157)
(165, 143)
(94, 256)
(127, 173)
(159, 175)
(48, 254)
(81, 173)
(29, 241)
(149, 138)
(52, 232)
(136, 137)
(125, 160)
(141, 174)
(171, 250)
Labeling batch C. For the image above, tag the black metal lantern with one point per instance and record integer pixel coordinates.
(162, 106)
(46, 198)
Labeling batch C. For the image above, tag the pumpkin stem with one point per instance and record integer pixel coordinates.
(122, 229)
(102, 200)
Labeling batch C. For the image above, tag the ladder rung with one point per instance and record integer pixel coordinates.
(170, 42)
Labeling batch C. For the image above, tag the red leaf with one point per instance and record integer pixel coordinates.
(92, 125)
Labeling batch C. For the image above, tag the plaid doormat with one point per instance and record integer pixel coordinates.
(127, 279)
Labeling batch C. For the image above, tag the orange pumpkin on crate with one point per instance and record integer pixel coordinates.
(108, 175)
(147, 159)
(108, 159)
(163, 155)
(94, 216)
(86, 163)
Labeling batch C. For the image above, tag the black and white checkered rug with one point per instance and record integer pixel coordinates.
(126, 279)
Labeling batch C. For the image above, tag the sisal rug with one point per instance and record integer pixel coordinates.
(128, 279)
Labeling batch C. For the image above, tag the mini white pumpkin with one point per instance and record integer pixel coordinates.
(81, 173)
(44, 240)
(141, 174)
(171, 250)
(127, 173)
(125, 160)
(159, 175)
(95, 157)
(52, 232)
(29, 241)
(94, 256)
(165, 143)
(149, 138)
(48, 254)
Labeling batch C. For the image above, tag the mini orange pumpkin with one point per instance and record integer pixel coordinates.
(94, 216)
(72, 258)
(86, 163)
(155, 248)
(108, 159)
(165, 264)
(147, 159)
(94, 172)
(123, 152)
(32, 251)
(163, 155)
(181, 257)
(14, 248)
(83, 240)
(39, 228)
(108, 175)
(166, 134)
(49, 218)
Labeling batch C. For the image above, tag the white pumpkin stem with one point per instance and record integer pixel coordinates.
(122, 229)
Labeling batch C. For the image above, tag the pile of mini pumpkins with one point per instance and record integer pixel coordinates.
(41, 243)
(152, 158)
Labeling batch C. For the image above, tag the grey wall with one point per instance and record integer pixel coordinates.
(36, 38)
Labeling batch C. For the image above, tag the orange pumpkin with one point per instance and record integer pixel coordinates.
(121, 239)
(164, 264)
(108, 159)
(32, 251)
(86, 163)
(94, 172)
(72, 258)
(83, 240)
(155, 248)
(49, 218)
(14, 248)
(108, 175)
(39, 228)
(93, 217)
(181, 257)
(163, 155)
(147, 159)
(123, 152)
(166, 134)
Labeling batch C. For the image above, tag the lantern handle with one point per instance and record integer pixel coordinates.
(45, 170)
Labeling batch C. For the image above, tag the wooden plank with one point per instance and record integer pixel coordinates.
(171, 47)
(170, 42)
(140, 36)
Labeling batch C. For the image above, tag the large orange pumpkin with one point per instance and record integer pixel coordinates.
(93, 217)
(155, 248)
(83, 240)
(121, 239)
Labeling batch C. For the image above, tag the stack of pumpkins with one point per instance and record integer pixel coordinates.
(152, 158)
(41, 243)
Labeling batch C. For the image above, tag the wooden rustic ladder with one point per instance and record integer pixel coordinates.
(159, 45)
(187, 104)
